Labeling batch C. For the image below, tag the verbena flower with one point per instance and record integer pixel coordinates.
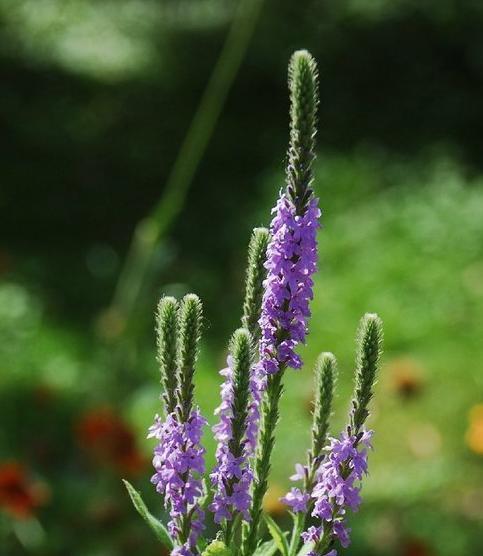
(337, 489)
(279, 288)
(232, 475)
(296, 499)
(179, 464)
(291, 262)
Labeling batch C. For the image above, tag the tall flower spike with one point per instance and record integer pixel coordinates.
(292, 252)
(368, 355)
(232, 476)
(179, 457)
(167, 331)
(291, 262)
(256, 272)
(298, 500)
(190, 322)
(340, 474)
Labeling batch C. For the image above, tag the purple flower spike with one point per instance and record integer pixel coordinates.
(291, 262)
(232, 476)
(338, 487)
(179, 463)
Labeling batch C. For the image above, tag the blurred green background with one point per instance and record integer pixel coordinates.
(96, 99)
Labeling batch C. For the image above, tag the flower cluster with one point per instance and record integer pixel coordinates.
(232, 475)
(337, 489)
(179, 462)
(279, 289)
(291, 262)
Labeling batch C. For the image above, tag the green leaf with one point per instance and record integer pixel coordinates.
(217, 548)
(277, 535)
(158, 528)
(266, 549)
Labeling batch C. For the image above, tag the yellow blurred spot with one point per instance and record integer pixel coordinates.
(474, 434)
(271, 502)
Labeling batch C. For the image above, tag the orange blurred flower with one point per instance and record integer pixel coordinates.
(406, 375)
(474, 434)
(19, 494)
(109, 439)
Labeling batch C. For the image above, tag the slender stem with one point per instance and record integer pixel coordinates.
(150, 230)
(228, 532)
(270, 416)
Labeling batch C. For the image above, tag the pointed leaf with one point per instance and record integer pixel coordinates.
(266, 549)
(159, 529)
(277, 535)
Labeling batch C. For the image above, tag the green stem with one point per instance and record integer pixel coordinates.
(270, 416)
(298, 528)
(151, 229)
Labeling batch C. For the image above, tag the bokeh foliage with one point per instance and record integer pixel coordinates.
(95, 100)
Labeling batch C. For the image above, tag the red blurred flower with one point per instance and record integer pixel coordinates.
(416, 547)
(109, 439)
(19, 494)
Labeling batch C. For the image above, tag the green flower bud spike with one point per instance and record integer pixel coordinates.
(368, 356)
(167, 332)
(190, 324)
(255, 275)
(325, 376)
(241, 352)
(304, 102)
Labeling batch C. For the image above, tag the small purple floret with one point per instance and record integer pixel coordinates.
(296, 499)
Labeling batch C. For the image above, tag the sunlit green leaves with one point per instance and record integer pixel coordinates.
(109, 40)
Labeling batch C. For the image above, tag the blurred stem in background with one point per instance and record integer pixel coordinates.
(148, 234)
